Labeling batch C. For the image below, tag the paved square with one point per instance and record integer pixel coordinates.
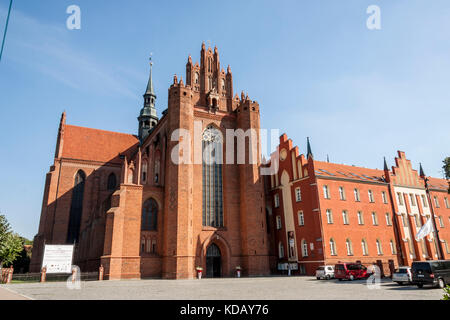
(290, 288)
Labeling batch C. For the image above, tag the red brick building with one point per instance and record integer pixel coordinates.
(324, 213)
(146, 205)
(128, 206)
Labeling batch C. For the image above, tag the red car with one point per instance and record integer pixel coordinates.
(350, 271)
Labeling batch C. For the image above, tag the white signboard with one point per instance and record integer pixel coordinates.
(58, 258)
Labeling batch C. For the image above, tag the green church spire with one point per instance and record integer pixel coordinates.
(148, 117)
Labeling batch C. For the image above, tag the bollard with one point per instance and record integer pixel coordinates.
(74, 274)
(10, 275)
(43, 274)
(100, 273)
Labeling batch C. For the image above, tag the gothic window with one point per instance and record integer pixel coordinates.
(157, 166)
(76, 208)
(196, 78)
(149, 215)
(212, 177)
(144, 171)
(112, 182)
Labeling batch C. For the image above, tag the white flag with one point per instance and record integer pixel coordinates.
(426, 229)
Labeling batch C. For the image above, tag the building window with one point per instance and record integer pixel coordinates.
(304, 248)
(212, 177)
(400, 198)
(276, 200)
(412, 198)
(149, 215)
(345, 217)
(298, 195)
(436, 202)
(365, 251)
(424, 248)
(280, 250)
(341, 193)
(356, 192)
(371, 198)
(405, 220)
(446, 203)
(392, 245)
(447, 247)
(388, 219)
(153, 246)
(112, 182)
(76, 207)
(374, 219)
(348, 245)
(278, 223)
(424, 201)
(333, 251)
(441, 222)
(329, 216)
(379, 248)
(384, 197)
(301, 218)
(417, 221)
(360, 218)
(326, 192)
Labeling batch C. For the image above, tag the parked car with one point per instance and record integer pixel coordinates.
(402, 275)
(325, 272)
(435, 273)
(350, 271)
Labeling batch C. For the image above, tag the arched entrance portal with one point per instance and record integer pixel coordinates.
(213, 262)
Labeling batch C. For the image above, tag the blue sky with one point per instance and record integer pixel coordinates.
(313, 66)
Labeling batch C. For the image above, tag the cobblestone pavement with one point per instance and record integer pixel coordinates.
(290, 288)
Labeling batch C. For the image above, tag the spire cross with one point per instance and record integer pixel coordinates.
(151, 56)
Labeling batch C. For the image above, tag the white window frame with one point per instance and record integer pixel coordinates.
(342, 193)
(356, 193)
(276, 200)
(301, 218)
(298, 194)
(441, 222)
(360, 218)
(388, 219)
(379, 247)
(333, 250)
(374, 218)
(326, 192)
(436, 202)
(400, 198)
(329, 215)
(304, 248)
(371, 197)
(279, 224)
(392, 245)
(345, 217)
(365, 250)
(412, 199)
(349, 247)
(424, 201)
(384, 197)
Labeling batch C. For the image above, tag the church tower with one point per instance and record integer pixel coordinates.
(148, 118)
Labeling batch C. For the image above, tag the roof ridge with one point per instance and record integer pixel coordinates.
(114, 132)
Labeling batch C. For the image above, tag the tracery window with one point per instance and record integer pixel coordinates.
(212, 177)
(76, 207)
(149, 215)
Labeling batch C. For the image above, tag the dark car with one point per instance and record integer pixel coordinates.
(435, 273)
(350, 271)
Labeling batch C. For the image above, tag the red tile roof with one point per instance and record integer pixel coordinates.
(436, 183)
(348, 172)
(97, 145)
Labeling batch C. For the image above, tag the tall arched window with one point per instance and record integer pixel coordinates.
(112, 182)
(333, 251)
(144, 171)
(280, 250)
(348, 245)
(365, 250)
(304, 248)
(76, 208)
(212, 177)
(149, 215)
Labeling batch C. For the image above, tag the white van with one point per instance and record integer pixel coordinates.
(325, 272)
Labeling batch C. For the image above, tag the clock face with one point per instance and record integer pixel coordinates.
(283, 154)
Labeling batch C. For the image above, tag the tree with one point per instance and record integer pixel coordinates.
(446, 167)
(11, 244)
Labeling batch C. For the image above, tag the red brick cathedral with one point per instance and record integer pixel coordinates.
(128, 206)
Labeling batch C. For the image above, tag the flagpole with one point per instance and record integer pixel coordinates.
(441, 253)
